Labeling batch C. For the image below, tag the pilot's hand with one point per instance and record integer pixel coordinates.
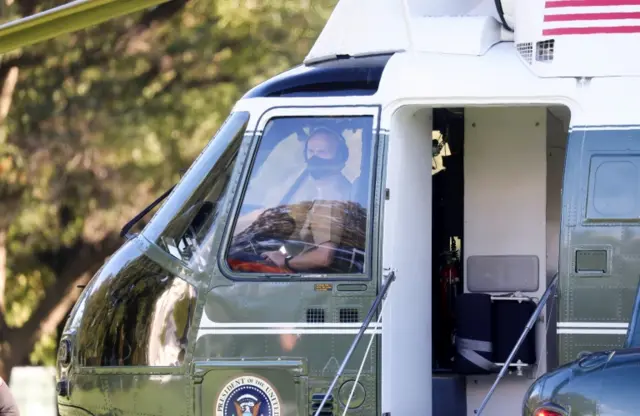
(276, 257)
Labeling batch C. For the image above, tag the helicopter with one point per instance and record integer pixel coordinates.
(450, 273)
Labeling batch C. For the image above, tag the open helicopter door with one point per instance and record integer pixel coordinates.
(500, 195)
(297, 268)
(407, 335)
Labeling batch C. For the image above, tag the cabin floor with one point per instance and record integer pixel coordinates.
(496, 185)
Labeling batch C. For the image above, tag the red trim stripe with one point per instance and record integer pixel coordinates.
(591, 16)
(590, 3)
(591, 30)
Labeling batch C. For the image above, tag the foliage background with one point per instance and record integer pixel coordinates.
(94, 125)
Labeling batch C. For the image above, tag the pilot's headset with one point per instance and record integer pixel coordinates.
(342, 150)
(335, 164)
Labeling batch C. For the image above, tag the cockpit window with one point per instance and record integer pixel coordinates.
(305, 208)
(184, 226)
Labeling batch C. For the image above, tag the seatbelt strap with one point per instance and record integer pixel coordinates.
(469, 348)
(294, 188)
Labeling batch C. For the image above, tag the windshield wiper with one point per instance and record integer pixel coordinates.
(125, 230)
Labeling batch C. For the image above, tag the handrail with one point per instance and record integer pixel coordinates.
(354, 344)
(525, 332)
(364, 359)
(631, 339)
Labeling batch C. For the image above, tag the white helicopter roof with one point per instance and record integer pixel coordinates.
(359, 28)
(554, 38)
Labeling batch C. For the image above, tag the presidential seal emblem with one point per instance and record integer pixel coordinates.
(248, 396)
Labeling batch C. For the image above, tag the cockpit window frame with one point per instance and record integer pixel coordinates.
(147, 239)
(373, 209)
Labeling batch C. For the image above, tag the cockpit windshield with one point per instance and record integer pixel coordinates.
(306, 205)
(184, 225)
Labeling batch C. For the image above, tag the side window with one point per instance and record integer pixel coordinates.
(135, 315)
(613, 188)
(305, 207)
(185, 226)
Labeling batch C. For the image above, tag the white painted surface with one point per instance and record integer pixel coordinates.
(445, 7)
(468, 35)
(401, 25)
(406, 347)
(579, 54)
(557, 134)
(505, 183)
(356, 28)
(496, 78)
(382, 26)
(505, 176)
(556, 150)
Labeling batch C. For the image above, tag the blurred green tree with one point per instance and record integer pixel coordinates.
(95, 124)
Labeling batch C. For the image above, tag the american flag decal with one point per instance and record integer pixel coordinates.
(590, 17)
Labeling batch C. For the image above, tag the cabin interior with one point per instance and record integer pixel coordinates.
(496, 206)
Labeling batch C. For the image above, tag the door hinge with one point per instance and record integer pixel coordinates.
(387, 194)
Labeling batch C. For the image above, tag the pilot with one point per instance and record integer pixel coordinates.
(8, 405)
(321, 228)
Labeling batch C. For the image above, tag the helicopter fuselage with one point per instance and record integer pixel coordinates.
(234, 301)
